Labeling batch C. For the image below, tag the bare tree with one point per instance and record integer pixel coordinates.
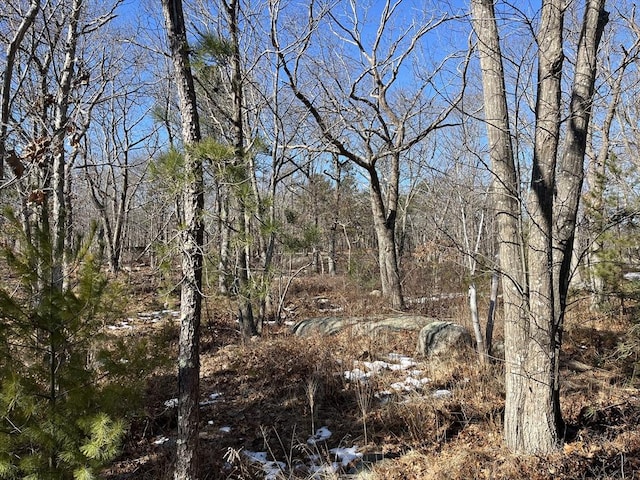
(535, 285)
(49, 106)
(7, 75)
(352, 91)
(115, 163)
(192, 239)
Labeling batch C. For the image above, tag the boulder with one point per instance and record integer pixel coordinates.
(438, 338)
(322, 325)
(395, 323)
(360, 325)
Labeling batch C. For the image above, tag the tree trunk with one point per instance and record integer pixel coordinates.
(507, 209)
(225, 233)
(571, 174)
(475, 321)
(384, 223)
(596, 178)
(245, 310)
(533, 329)
(493, 299)
(60, 122)
(534, 425)
(192, 237)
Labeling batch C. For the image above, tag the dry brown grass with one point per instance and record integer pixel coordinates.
(265, 386)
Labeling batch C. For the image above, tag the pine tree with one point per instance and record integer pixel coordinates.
(57, 421)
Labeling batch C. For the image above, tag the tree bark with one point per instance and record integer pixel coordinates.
(192, 239)
(60, 122)
(533, 329)
(507, 210)
(493, 299)
(534, 425)
(571, 174)
(242, 181)
(384, 220)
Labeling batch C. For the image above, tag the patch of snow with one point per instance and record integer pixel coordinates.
(160, 440)
(171, 403)
(120, 326)
(362, 371)
(260, 457)
(323, 471)
(441, 394)
(346, 455)
(401, 387)
(342, 457)
(213, 398)
(322, 434)
(271, 469)
(434, 298)
(416, 382)
(410, 384)
(356, 375)
(157, 315)
(225, 429)
(377, 366)
(401, 362)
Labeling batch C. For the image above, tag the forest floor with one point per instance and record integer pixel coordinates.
(298, 402)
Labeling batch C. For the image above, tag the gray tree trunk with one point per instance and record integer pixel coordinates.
(493, 300)
(245, 309)
(225, 234)
(533, 424)
(384, 220)
(192, 237)
(507, 209)
(571, 173)
(60, 121)
(535, 300)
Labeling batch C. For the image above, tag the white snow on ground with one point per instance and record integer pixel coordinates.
(123, 325)
(410, 384)
(158, 315)
(442, 394)
(346, 455)
(342, 457)
(413, 381)
(271, 469)
(318, 466)
(152, 317)
(322, 434)
(339, 457)
(160, 440)
(213, 398)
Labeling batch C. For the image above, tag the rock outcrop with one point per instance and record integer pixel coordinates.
(360, 325)
(438, 338)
